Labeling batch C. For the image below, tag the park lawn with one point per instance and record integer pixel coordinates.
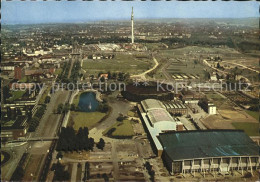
(251, 129)
(16, 95)
(76, 99)
(254, 114)
(84, 119)
(131, 113)
(121, 63)
(122, 129)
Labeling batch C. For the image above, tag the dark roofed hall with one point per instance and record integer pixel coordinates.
(209, 143)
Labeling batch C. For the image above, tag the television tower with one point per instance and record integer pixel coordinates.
(132, 19)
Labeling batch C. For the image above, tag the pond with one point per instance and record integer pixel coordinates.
(88, 102)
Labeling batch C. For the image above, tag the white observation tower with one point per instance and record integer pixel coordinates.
(132, 20)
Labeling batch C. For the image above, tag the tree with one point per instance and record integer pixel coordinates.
(218, 65)
(60, 108)
(33, 123)
(60, 174)
(102, 79)
(114, 75)
(59, 155)
(120, 76)
(18, 174)
(120, 118)
(106, 178)
(47, 99)
(72, 107)
(91, 143)
(109, 75)
(101, 144)
(66, 108)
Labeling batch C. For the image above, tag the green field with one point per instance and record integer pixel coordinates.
(121, 129)
(254, 114)
(251, 129)
(16, 95)
(84, 119)
(121, 63)
(131, 113)
(221, 102)
(76, 99)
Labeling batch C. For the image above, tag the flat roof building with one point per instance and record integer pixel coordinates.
(156, 120)
(209, 151)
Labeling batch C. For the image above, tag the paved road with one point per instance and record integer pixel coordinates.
(118, 107)
(246, 67)
(47, 128)
(142, 75)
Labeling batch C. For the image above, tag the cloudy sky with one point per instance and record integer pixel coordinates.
(22, 12)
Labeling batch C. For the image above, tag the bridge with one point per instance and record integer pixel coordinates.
(34, 139)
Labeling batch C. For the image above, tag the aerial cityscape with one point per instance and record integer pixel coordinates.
(130, 91)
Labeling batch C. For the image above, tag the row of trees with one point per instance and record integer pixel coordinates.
(63, 108)
(60, 174)
(34, 122)
(75, 72)
(150, 170)
(69, 140)
(120, 76)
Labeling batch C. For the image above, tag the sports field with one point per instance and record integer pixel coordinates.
(121, 63)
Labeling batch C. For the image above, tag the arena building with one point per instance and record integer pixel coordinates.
(156, 120)
(209, 151)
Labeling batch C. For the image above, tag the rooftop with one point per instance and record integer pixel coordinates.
(149, 104)
(158, 115)
(208, 143)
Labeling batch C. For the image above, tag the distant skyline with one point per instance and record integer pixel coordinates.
(33, 12)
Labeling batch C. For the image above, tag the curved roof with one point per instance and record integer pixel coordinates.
(150, 104)
(159, 115)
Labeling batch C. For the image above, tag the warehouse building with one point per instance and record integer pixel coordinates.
(176, 107)
(156, 120)
(209, 151)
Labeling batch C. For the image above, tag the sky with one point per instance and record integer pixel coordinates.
(33, 12)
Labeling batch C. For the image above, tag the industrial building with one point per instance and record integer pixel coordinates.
(156, 120)
(212, 108)
(209, 151)
(176, 107)
(208, 107)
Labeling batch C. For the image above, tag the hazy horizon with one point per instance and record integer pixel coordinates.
(49, 12)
